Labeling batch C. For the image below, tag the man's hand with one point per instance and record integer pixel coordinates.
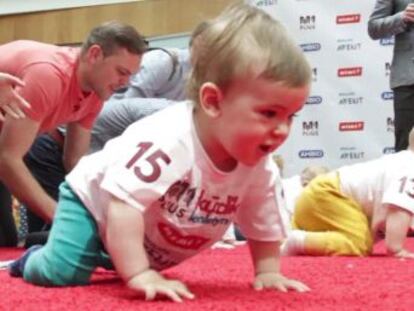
(152, 283)
(408, 15)
(278, 281)
(10, 101)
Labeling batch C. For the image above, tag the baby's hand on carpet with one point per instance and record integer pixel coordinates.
(152, 283)
(278, 281)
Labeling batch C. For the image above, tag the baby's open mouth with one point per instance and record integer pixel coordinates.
(266, 148)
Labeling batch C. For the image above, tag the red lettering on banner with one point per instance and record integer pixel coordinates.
(351, 126)
(173, 236)
(348, 19)
(350, 72)
(213, 205)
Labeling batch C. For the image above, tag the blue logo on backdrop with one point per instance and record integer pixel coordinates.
(387, 41)
(310, 47)
(314, 100)
(388, 95)
(308, 154)
(388, 150)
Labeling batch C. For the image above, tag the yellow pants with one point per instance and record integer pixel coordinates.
(335, 224)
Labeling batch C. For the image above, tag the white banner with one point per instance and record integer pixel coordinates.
(349, 115)
(8, 7)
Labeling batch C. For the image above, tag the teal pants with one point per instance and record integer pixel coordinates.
(73, 250)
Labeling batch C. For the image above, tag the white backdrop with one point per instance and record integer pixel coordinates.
(349, 115)
(25, 6)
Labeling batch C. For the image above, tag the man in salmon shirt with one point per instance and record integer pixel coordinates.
(63, 85)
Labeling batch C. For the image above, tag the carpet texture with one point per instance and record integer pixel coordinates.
(221, 281)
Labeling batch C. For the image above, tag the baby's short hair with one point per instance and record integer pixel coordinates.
(311, 172)
(245, 41)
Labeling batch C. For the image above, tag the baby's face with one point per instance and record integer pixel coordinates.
(256, 116)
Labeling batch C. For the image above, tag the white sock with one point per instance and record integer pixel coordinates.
(294, 243)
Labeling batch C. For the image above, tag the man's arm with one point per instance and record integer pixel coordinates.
(396, 227)
(77, 142)
(384, 22)
(16, 137)
(155, 70)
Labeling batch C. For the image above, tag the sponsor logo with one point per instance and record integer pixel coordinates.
(390, 124)
(314, 100)
(350, 72)
(314, 74)
(351, 126)
(388, 95)
(387, 69)
(308, 154)
(310, 47)
(263, 3)
(307, 22)
(350, 153)
(348, 45)
(388, 150)
(350, 99)
(348, 19)
(174, 237)
(158, 255)
(310, 128)
(387, 41)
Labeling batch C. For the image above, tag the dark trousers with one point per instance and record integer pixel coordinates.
(403, 115)
(8, 232)
(44, 160)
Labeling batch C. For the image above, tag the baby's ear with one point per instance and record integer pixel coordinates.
(211, 98)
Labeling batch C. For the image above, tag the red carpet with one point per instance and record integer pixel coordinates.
(220, 279)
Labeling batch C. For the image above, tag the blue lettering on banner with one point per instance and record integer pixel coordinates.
(310, 47)
(389, 95)
(388, 150)
(314, 100)
(307, 154)
(387, 41)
